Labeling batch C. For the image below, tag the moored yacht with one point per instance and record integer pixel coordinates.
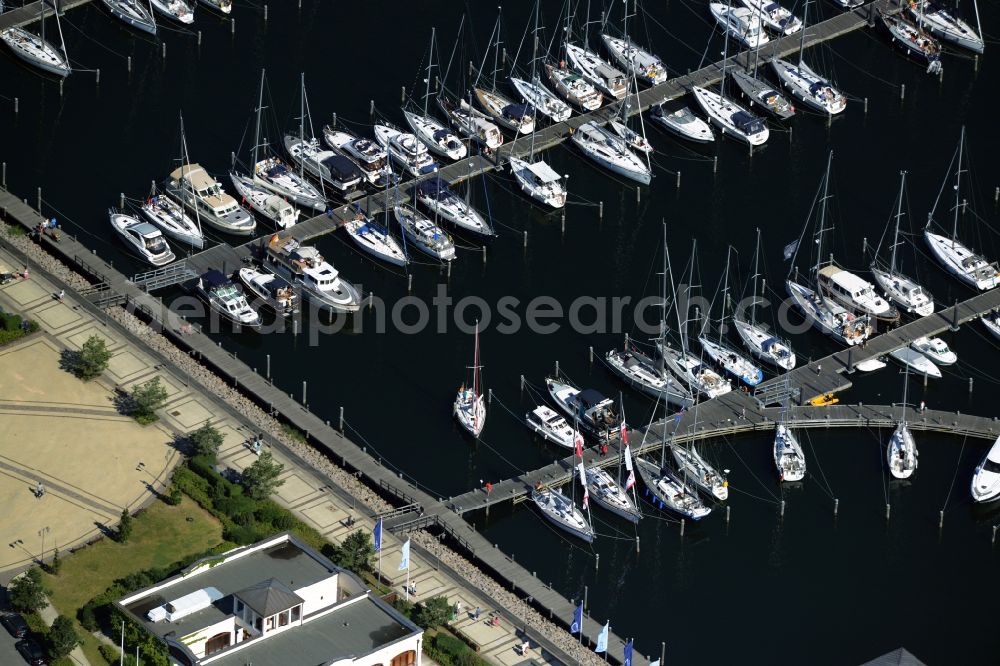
(986, 479)
(594, 413)
(632, 139)
(265, 202)
(647, 67)
(761, 94)
(829, 317)
(273, 174)
(368, 155)
(538, 96)
(944, 23)
(731, 118)
(272, 290)
(436, 136)
(765, 345)
(539, 181)
(740, 22)
(469, 407)
(170, 217)
(134, 13)
(222, 6)
(774, 16)
(698, 376)
(305, 267)
(190, 185)
(561, 512)
(648, 376)
(854, 293)
(326, 166)
(375, 239)
(904, 291)
(435, 196)
(669, 491)
(913, 360)
(142, 238)
(551, 426)
(936, 349)
(574, 88)
(176, 10)
(683, 123)
(472, 123)
(606, 492)
(788, 456)
(809, 87)
(35, 51)
(226, 299)
(518, 118)
(427, 236)
(409, 153)
(611, 152)
(609, 80)
(732, 361)
(901, 453)
(913, 41)
(693, 468)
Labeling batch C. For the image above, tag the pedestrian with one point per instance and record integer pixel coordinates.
(744, 415)
(819, 368)
(24, 273)
(62, 295)
(475, 616)
(923, 406)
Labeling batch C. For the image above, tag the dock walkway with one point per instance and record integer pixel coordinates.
(22, 16)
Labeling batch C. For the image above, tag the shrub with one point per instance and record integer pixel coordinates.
(146, 399)
(174, 497)
(87, 616)
(205, 441)
(10, 322)
(92, 359)
(433, 613)
(110, 654)
(124, 526)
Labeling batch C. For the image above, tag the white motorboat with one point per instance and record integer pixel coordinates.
(427, 236)
(142, 238)
(731, 118)
(35, 51)
(957, 258)
(693, 468)
(611, 152)
(273, 174)
(375, 240)
(176, 10)
(538, 96)
(435, 196)
(854, 293)
(539, 181)
(326, 166)
(191, 186)
(606, 78)
(788, 456)
(829, 317)
(317, 279)
(135, 13)
(915, 361)
(646, 67)
(899, 288)
(761, 94)
(574, 88)
(869, 365)
(436, 136)
(370, 156)
(936, 349)
(741, 23)
(409, 153)
(170, 217)
(222, 6)
(992, 323)
(265, 202)
(986, 480)
(515, 117)
(590, 410)
(648, 376)
(473, 123)
(226, 299)
(563, 513)
(942, 22)
(604, 490)
(470, 403)
(683, 123)
(913, 41)
(774, 16)
(698, 376)
(669, 491)
(763, 344)
(732, 361)
(552, 427)
(272, 290)
(632, 139)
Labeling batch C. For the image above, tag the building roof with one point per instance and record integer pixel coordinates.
(269, 597)
(354, 629)
(898, 657)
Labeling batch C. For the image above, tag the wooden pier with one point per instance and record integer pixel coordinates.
(28, 14)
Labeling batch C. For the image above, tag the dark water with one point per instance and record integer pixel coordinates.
(805, 589)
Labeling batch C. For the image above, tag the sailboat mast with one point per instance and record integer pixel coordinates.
(496, 53)
(906, 383)
(256, 138)
(979, 26)
(475, 369)
(725, 51)
(802, 37)
(430, 64)
(185, 167)
(958, 185)
(756, 274)
(302, 125)
(822, 217)
(725, 292)
(41, 17)
(687, 300)
(899, 214)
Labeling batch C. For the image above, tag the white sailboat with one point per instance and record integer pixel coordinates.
(611, 152)
(539, 181)
(774, 16)
(436, 136)
(648, 376)
(472, 122)
(759, 338)
(806, 85)
(683, 123)
(35, 50)
(740, 22)
(692, 467)
(901, 289)
(142, 238)
(789, 459)
(134, 13)
(574, 88)
(957, 258)
(375, 239)
(470, 404)
(539, 97)
(601, 74)
(436, 197)
(648, 67)
(427, 236)
(986, 479)
(901, 452)
(912, 41)
(720, 351)
(176, 10)
(605, 491)
(562, 512)
(170, 217)
(944, 23)
(265, 202)
(515, 117)
(667, 488)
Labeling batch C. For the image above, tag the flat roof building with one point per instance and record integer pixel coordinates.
(274, 603)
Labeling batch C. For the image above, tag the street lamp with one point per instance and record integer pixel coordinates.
(42, 532)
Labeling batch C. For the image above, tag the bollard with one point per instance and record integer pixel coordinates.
(682, 527)
(782, 510)
(341, 420)
(727, 514)
(592, 355)
(121, 200)
(402, 94)
(304, 401)
(996, 195)
(678, 185)
(61, 81)
(371, 107)
(836, 506)
(638, 194)
(489, 397)
(975, 63)
(199, 38)
(484, 255)
(268, 366)
(970, 385)
(600, 208)
(232, 27)
(449, 270)
(522, 384)
(15, 105)
(866, 106)
(597, 561)
(295, 326)
(371, 300)
(888, 507)
(994, 539)
(864, 245)
(4, 181)
(265, 12)
(940, 519)
(163, 50)
(39, 209)
(409, 281)
(557, 368)
(954, 317)
(902, 91)
(562, 222)
(97, 73)
(715, 164)
(525, 239)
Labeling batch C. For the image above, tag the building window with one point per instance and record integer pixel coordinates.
(283, 619)
(239, 607)
(259, 624)
(297, 613)
(405, 659)
(270, 623)
(216, 643)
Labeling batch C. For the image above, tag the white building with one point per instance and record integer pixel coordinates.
(275, 603)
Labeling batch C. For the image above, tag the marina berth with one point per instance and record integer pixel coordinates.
(374, 239)
(607, 494)
(670, 492)
(273, 174)
(648, 376)
(694, 469)
(473, 123)
(788, 456)
(434, 195)
(517, 118)
(762, 94)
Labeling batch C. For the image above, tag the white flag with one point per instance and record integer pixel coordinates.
(404, 557)
(790, 249)
(583, 482)
(630, 481)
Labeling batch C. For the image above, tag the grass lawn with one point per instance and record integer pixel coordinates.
(161, 536)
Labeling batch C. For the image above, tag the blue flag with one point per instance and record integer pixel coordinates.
(627, 654)
(404, 557)
(377, 534)
(602, 638)
(577, 625)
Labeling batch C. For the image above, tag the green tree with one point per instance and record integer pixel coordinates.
(26, 592)
(92, 359)
(62, 637)
(124, 526)
(433, 613)
(261, 478)
(205, 441)
(55, 564)
(146, 399)
(357, 551)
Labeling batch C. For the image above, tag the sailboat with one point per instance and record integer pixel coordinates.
(35, 50)
(472, 122)
(435, 196)
(913, 41)
(518, 118)
(759, 338)
(757, 91)
(427, 129)
(170, 217)
(694, 469)
(647, 66)
(789, 459)
(901, 453)
(427, 236)
(667, 488)
(539, 97)
(176, 10)
(740, 22)
(601, 74)
(806, 85)
(648, 376)
(611, 152)
(957, 258)
(944, 23)
(374, 238)
(902, 290)
(573, 87)
(636, 140)
(326, 166)
(824, 314)
(562, 511)
(605, 491)
(682, 123)
(470, 405)
(266, 203)
(134, 13)
(719, 351)
(774, 16)
(699, 377)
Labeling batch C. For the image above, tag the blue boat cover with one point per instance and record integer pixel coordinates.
(341, 168)
(747, 123)
(213, 278)
(517, 111)
(435, 187)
